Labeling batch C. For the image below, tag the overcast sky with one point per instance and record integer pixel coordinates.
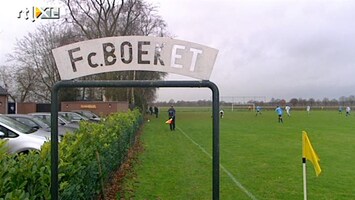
(277, 49)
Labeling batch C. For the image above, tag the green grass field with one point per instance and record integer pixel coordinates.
(260, 158)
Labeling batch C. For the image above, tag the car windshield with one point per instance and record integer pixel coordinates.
(79, 116)
(70, 116)
(88, 114)
(16, 125)
(47, 119)
(43, 117)
(43, 123)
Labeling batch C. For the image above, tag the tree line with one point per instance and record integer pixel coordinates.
(294, 102)
(31, 70)
(325, 102)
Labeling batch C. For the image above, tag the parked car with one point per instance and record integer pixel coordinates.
(61, 121)
(89, 114)
(20, 137)
(73, 117)
(39, 123)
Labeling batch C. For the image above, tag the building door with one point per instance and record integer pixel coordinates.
(11, 108)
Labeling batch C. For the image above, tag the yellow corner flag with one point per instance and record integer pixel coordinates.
(309, 153)
(169, 121)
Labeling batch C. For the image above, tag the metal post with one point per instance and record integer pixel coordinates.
(54, 143)
(215, 142)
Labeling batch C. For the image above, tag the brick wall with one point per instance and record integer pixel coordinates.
(24, 108)
(98, 107)
(3, 104)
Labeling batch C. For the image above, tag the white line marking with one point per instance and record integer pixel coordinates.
(221, 166)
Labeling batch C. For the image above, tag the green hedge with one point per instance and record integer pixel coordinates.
(86, 159)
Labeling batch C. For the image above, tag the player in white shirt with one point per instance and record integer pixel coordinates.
(348, 109)
(288, 108)
(221, 113)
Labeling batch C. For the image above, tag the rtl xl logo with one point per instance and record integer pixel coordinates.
(40, 13)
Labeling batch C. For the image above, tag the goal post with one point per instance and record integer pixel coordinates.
(243, 107)
(241, 103)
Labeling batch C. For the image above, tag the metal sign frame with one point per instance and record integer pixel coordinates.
(136, 84)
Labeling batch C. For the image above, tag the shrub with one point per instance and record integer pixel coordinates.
(94, 145)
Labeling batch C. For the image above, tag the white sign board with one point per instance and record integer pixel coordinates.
(135, 53)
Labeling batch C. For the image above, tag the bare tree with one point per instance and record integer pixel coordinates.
(326, 101)
(311, 101)
(351, 99)
(106, 18)
(294, 101)
(34, 64)
(7, 76)
(342, 100)
(33, 67)
(24, 79)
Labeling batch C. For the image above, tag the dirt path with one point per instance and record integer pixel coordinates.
(115, 189)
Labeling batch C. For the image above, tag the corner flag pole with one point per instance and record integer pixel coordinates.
(304, 178)
(308, 153)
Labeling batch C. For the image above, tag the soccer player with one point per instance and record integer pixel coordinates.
(279, 112)
(340, 109)
(151, 110)
(288, 108)
(171, 113)
(221, 113)
(258, 110)
(156, 111)
(347, 111)
(308, 108)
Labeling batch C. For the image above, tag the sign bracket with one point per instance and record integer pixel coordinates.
(136, 84)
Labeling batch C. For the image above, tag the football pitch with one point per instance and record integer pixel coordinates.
(259, 157)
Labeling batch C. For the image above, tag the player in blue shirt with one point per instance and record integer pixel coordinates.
(279, 112)
(258, 110)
